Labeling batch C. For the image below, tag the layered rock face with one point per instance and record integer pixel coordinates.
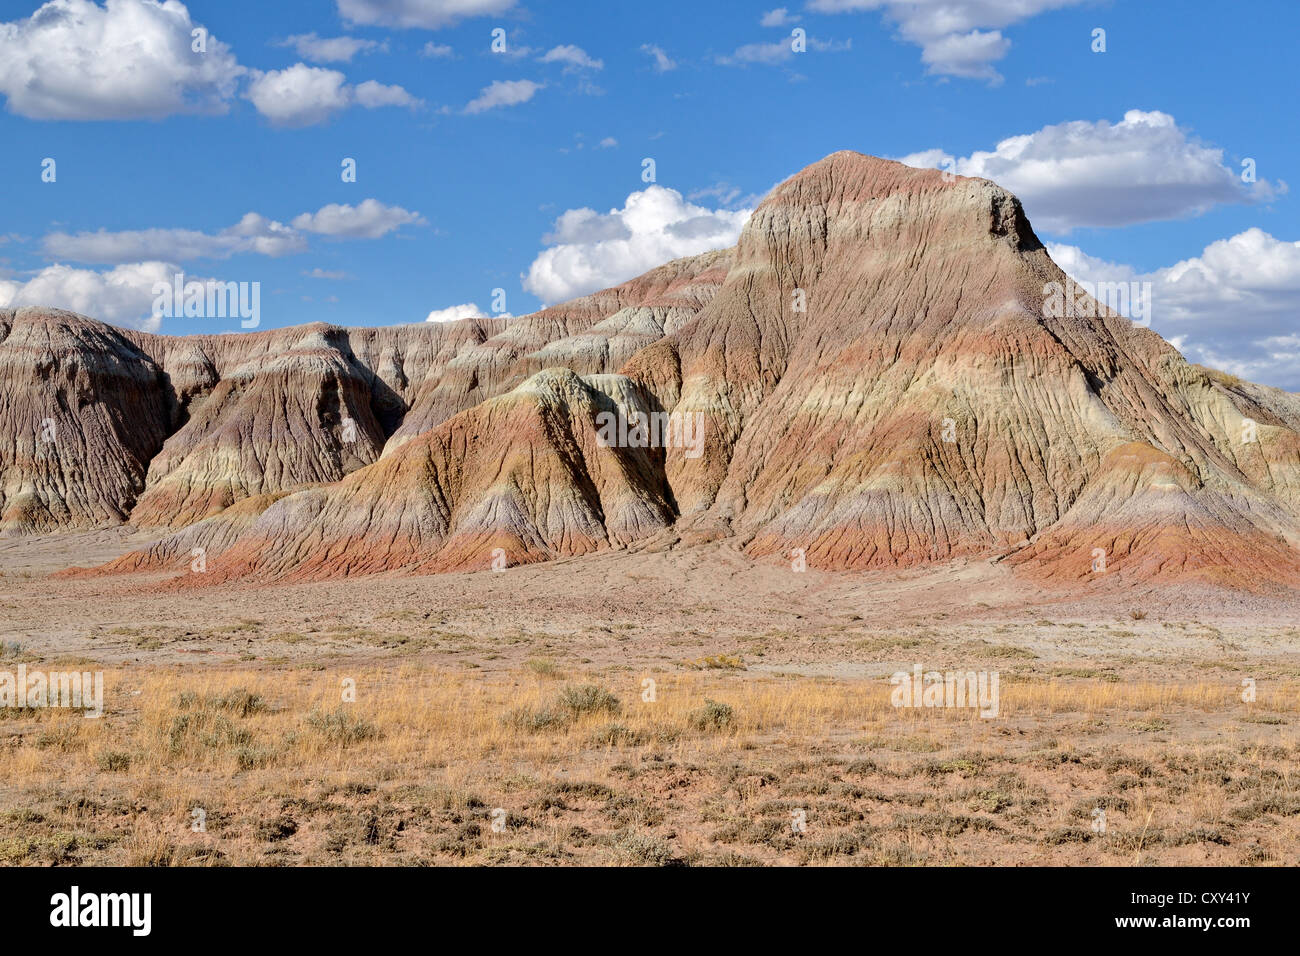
(217, 419)
(923, 313)
(82, 413)
(519, 478)
(870, 378)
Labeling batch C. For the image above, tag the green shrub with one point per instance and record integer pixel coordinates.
(712, 716)
(589, 699)
(340, 726)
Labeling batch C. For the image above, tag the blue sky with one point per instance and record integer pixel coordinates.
(522, 170)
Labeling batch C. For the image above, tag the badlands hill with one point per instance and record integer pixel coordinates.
(873, 375)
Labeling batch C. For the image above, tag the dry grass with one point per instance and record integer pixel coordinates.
(1226, 379)
(585, 770)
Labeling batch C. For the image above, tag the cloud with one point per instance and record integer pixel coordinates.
(957, 37)
(609, 142)
(573, 58)
(318, 49)
(967, 54)
(369, 219)
(426, 14)
(663, 62)
(319, 273)
(1079, 174)
(503, 93)
(372, 95)
(1232, 307)
(591, 250)
(252, 234)
(436, 50)
(130, 59)
(306, 95)
(467, 311)
(514, 49)
(780, 17)
(778, 51)
(299, 96)
(123, 295)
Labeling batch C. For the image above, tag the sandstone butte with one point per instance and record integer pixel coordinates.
(317, 451)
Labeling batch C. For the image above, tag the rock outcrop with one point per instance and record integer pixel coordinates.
(83, 410)
(871, 374)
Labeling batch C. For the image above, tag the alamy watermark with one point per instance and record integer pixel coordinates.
(128, 910)
(73, 690)
(652, 430)
(1080, 299)
(920, 688)
(209, 299)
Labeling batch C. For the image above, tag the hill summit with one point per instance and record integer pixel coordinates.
(871, 378)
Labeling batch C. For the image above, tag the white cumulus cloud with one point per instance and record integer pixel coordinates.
(780, 17)
(502, 93)
(303, 95)
(369, 219)
(299, 96)
(320, 49)
(591, 250)
(573, 58)
(252, 234)
(957, 37)
(122, 295)
(1142, 169)
(1232, 307)
(373, 95)
(468, 310)
(128, 59)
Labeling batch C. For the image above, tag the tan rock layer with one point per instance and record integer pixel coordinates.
(224, 417)
(877, 382)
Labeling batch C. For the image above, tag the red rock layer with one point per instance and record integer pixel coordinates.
(877, 382)
(517, 479)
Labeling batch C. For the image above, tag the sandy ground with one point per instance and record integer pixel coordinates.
(623, 608)
(1150, 679)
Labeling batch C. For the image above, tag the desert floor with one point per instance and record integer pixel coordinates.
(499, 718)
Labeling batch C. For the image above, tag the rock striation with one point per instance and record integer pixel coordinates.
(871, 372)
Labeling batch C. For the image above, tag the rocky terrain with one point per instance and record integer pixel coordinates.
(902, 461)
(876, 379)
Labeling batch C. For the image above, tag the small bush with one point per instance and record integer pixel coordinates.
(114, 760)
(544, 667)
(614, 735)
(589, 699)
(248, 758)
(208, 731)
(645, 849)
(280, 828)
(340, 726)
(534, 720)
(224, 733)
(712, 716)
(239, 702)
